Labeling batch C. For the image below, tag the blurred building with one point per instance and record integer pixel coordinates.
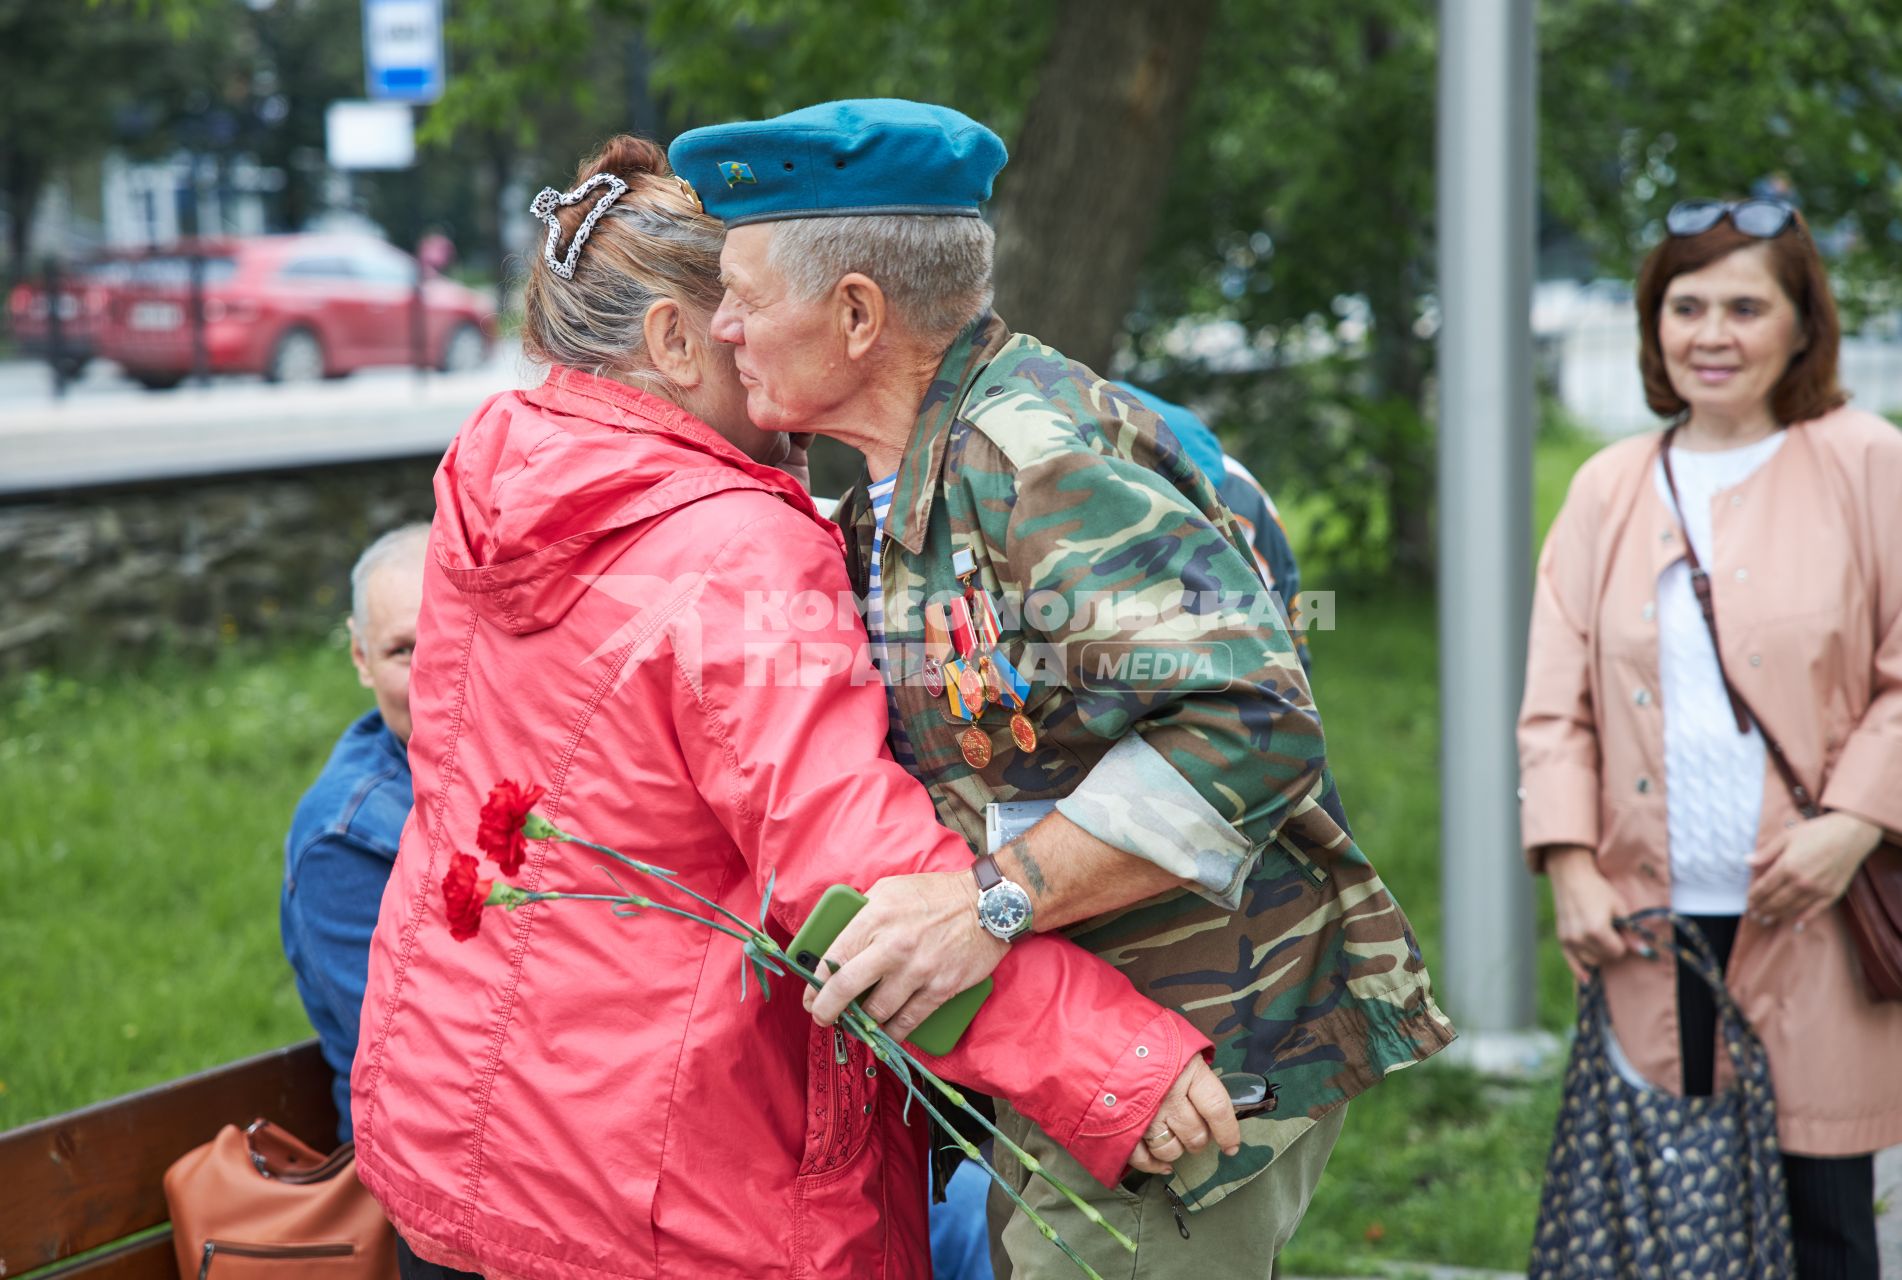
(119, 203)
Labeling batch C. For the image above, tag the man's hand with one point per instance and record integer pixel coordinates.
(918, 938)
(1194, 1112)
(1802, 874)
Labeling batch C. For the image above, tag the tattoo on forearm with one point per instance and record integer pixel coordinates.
(1032, 872)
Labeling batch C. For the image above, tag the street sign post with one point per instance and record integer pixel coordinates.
(369, 135)
(403, 50)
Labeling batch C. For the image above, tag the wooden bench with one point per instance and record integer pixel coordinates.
(72, 1183)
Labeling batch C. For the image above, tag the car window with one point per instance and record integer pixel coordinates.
(173, 271)
(320, 267)
(385, 266)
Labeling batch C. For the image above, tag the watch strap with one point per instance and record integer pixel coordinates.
(987, 873)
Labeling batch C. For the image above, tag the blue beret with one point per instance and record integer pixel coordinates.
(865, 155)
(1204, 450)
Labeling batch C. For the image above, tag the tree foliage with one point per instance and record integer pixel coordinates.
(1647, 102)
(1298, 209)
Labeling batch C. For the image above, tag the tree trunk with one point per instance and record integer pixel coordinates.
(1087, 175)
(24, 179)
(1398, 360)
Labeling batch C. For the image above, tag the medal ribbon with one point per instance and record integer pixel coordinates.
(962, 634)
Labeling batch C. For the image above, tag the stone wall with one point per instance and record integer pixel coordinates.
(103, 578)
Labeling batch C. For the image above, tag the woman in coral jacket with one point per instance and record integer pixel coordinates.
(625, 605)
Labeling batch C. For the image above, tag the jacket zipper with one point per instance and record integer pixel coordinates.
(835, 1094)
(278, 1252)
(1176, 1207)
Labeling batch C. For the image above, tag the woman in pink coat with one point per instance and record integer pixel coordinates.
(626, 605)
(1639, 787)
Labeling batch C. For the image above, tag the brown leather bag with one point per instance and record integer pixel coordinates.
(257, 1204)
(1872, 905)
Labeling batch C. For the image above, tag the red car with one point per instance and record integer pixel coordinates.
(84, 293)
(293, 308)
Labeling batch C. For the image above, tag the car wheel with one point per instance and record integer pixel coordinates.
(465, 350)
(158, 381)
(297, 357)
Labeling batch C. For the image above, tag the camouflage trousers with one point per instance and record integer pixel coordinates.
(1237, 1237)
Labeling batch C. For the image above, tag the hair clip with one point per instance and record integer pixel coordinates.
(686, 187)
(548, 202)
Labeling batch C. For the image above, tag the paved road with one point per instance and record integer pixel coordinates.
(110, 430)
(26, 386)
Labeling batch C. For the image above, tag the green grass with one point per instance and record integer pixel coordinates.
(143, 848)
(1430, 1145)
(141, 854)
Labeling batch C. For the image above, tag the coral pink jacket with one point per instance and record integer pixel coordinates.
(1807, 574)
(620, 606)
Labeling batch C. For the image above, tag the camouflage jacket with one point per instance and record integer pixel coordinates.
(1171, 714)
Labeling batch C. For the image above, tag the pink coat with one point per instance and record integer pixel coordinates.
(1807, 573)
(573, 1095)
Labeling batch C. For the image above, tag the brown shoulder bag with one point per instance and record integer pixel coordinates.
(1872, 905)
(257, 1204)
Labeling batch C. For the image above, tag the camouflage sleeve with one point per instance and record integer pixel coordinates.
(1161, 626)
(1134, 801)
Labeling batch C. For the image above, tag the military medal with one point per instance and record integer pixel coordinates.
(971, 684)
(1022, 732)
(937, 648)
(993, 683)
(1015, 690)
(980, 674)
(955, 673)
(976, 745)
(984, 618)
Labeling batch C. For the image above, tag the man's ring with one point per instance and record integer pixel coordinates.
(1160, 1139)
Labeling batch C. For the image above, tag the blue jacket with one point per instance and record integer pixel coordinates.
(337, 859)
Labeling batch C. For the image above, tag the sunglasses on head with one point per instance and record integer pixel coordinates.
(1762, 218)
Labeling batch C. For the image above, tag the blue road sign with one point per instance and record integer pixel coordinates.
(402, 50)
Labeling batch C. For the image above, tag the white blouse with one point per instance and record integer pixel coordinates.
(1713, 774)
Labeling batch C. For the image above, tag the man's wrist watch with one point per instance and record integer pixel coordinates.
(1003, 908)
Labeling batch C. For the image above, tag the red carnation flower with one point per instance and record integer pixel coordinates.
(499, 833)
(464, 895)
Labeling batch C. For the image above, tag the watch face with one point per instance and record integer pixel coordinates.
(1004, 909)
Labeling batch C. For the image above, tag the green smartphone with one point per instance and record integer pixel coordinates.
(937, 1034)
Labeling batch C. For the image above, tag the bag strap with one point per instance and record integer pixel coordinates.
(279, 1155)
(1697, 957)
(1707, 605)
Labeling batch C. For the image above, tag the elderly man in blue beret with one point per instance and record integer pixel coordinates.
(1085, 670)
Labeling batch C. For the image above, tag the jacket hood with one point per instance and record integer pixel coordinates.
(543, 489)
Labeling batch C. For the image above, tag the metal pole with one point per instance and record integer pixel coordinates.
(55, 328)
(1486, 184)
(201, 355)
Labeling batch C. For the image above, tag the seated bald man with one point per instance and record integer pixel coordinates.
(344, 834)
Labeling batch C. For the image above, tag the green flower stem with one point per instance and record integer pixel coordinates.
(633, 900)
(860, 1024)
(971, 1152)
(1030, 1162)
(660, 873)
